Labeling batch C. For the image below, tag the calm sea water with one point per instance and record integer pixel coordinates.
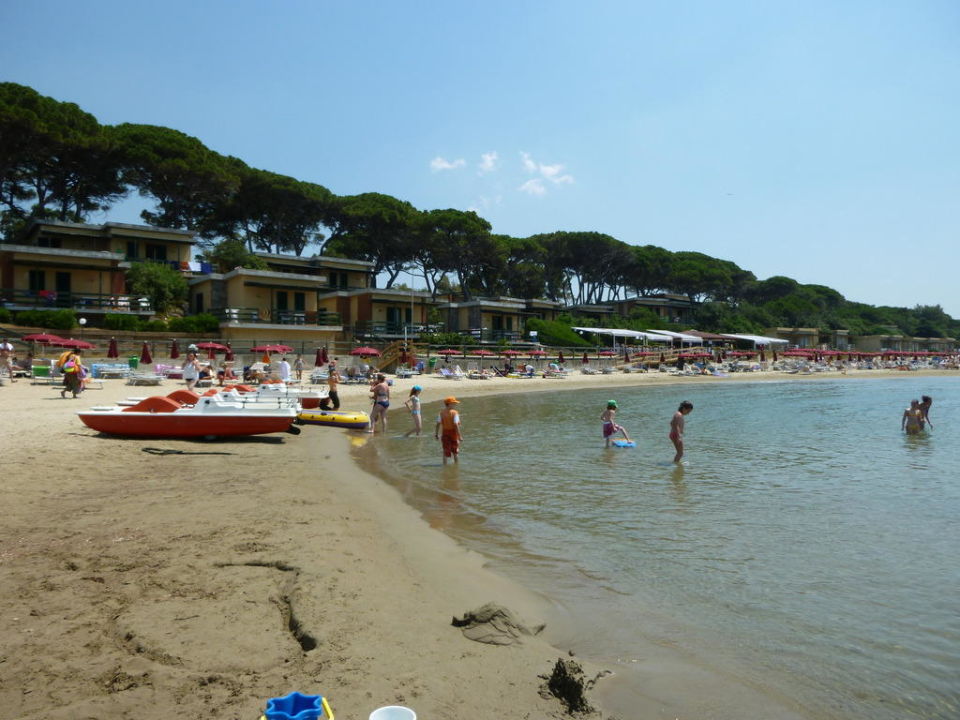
(808, 547)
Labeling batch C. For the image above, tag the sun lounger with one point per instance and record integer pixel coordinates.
(144, 379)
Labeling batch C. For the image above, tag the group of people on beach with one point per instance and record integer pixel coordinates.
(677, 424)
(917, 417)
(447, 429)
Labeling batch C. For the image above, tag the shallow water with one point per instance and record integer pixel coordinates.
(807, 546)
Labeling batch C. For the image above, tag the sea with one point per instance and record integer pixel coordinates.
(806, 548)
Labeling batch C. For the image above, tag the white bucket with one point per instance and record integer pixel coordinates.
(393, 712)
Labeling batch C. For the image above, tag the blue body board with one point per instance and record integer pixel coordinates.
(623, 443)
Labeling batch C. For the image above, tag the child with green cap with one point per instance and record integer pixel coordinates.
(610, 427)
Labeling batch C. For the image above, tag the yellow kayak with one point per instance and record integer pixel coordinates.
(353, 419)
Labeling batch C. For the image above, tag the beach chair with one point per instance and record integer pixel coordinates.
(450, 375)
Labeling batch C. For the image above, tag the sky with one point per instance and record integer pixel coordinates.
(814, 139)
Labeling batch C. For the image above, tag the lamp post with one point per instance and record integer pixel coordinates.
(83, 323)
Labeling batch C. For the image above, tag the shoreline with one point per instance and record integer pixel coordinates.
(140, 585)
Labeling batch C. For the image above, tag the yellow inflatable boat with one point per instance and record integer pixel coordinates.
(352, 419)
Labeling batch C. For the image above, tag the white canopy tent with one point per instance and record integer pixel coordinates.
(682, 337)
(652, 336)
(758, 339)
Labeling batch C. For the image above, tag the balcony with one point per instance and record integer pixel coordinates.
(372, 328)
(264, 316)
(94, 303)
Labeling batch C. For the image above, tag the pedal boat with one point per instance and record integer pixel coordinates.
(208, 417)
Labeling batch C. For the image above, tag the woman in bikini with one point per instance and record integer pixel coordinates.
(912, 420)
(381, 401)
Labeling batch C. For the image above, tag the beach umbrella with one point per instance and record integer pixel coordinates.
(228, 354)
(663, 358)
(75, 344)
(774, 355)
(763, 356)
(626, 354)
(484, 353)
(43, 338)
(448, 351)
(607, 353)
(112, 350)
(538, 353)
(365, 351)
(174, 349)
(318, 358)
(324, 358)
(510, 353)
(145, 357)
(585, 359)
(560, 357)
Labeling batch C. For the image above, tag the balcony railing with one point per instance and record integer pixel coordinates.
(372, 328)
(265, 316)
(79, 301)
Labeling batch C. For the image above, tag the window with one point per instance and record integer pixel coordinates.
(198, 302)
(131, 249)
(48, 242)
(282, 302)
(63, 282)
(157, 252)
(37, 280)
(299, 301)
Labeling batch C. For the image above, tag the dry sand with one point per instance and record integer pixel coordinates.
(199, 583)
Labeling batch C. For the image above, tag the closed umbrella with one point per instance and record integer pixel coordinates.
(585, 359)
(323, 355)
(174, 349)
(560, 357)
(112, 350)
(145, 357)
(228, 356)
(318, 359)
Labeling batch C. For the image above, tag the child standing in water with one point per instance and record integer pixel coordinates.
(608, 418)
(676, 428)
(449, 421)
(413, 405)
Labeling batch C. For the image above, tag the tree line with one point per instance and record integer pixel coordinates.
(57, 162)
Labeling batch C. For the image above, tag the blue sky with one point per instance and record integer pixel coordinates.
(818, 140)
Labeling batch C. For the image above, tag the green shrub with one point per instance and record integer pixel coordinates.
(154, 326)
(52, 319)
(5, 315)
(121, 322)
(556, 332)
(202, 323)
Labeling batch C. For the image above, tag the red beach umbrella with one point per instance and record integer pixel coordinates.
(448, 351)
(112, 350)
(538, 353)
(273, 348)
(75, 344)
(174, 349)
(607, 353)
(43, 338)
(324, 358)
(364, 351)
(585, 359)
(560, 357)
(510, 353)
(484, 353)
(318, 358)
(145, 357)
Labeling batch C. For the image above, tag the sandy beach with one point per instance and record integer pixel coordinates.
(156, 579)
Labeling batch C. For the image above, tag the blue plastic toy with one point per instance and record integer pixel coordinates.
(297, 706)
(623, 443)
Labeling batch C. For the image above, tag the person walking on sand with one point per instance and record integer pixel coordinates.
(283, 370)
(298, 368)
(912, 420)
(6, 359)
(609, 419)
(380, 391)
(333, 379)
(925, 402)
(413, 405)
(676, 428)
(449, 422)
(73, 372)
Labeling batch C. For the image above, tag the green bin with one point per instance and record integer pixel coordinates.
(41, 371)
(432, 363)
(133, 361)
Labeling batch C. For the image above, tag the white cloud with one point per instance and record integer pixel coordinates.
(553, 174)
(528, 164)
(439, 163)
(534, 186)
(488, 162)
